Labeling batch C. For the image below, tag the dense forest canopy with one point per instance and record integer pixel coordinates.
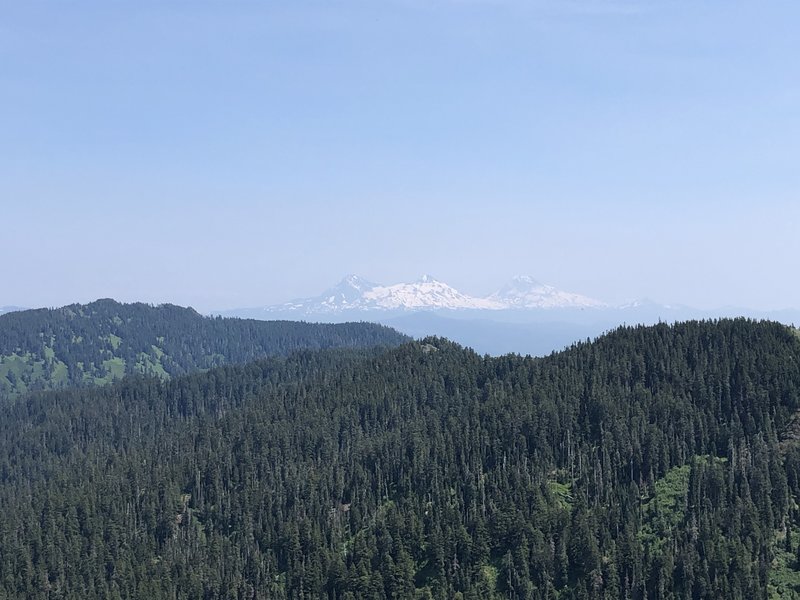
(655, 462)
(98, 342)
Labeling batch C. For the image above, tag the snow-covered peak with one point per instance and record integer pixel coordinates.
(426, 293)
(525, 280)
(523, 291)
(355, 282)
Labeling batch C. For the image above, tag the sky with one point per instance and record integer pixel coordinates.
(226, 154)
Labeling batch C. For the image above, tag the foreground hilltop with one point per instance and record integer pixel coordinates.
(654, 462)
(98, 342)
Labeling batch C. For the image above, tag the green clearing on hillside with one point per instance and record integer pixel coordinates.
(151, 365)
(114, 368)
(784, 575)
(20, 373)
(665, 511)
(562, 492)
(114, 340)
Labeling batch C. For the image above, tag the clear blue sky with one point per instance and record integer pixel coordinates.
(227, 154)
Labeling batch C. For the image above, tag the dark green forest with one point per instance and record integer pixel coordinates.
(102, 341)
(654, 462)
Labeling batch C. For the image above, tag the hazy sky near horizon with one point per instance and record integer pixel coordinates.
(230, 154)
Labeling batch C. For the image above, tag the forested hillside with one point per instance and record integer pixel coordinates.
(102, 341)
(656, 462)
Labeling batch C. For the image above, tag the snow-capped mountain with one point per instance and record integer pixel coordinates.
(426, 293)
(525, 292)
(355, 294)
(348, 294)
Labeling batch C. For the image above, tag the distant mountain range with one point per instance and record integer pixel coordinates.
(8, 309)
(356, 294)
(523, 316)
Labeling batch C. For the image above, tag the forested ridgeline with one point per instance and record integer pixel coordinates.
(104, 340)
(655, 462)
